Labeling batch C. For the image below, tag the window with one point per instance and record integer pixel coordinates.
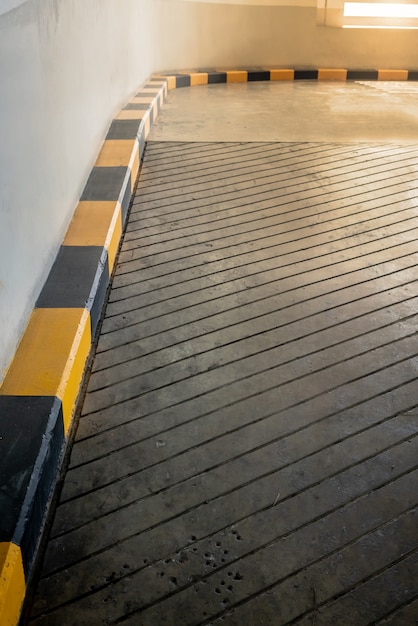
(374, 14)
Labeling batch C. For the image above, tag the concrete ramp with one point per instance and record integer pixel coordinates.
(247, 450)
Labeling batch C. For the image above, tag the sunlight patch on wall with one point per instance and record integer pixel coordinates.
(380, 9)
(402, 15)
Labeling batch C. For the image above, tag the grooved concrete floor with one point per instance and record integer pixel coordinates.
(247, 449)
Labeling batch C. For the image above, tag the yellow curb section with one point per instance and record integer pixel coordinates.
(131, 114)
(142, 100)
(12, 584)
(96, 224)
(151, 90)
(392, 74)
(157, 84)
(282, 74)
(151, 101)
(118, 152)
(239, 76)
(90, 223)
(170, 81)
(51, 357)
(198, 78)
(332, 74)
(115, 152)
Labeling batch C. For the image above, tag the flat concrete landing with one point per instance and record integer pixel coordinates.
(350, 111)
(247, 451)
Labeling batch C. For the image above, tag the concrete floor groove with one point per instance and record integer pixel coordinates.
(405, 614)
(316, 281)
(356, 295)
(390, 460)
(247, 449)
(82, 508)
(263, 340)
(268, 168)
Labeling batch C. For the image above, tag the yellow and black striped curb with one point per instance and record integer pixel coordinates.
(211, 77)
(40, 391)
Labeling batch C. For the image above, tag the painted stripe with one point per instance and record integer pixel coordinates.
(43, 477)
(306, 74)
(216, 78)
(231, 76)
(97, 224)
(141, 135)
(155, 110)
(137, 106)
(159, 83)
(142, 100)
(113, 237)
(146, 127)
(150, 90)
(282, 74)
(238, 76)
(105, 183)
(91, 223)
(392, 74)
(257, 75)
(36, 423)
(132, 114)
(171, 82)
(12, 584)
(154, 104)
(332, 74)
(182, 80)
(162, 90)
(116, 153)
(70, 281)
(362, 75)
(123, 129)
(146, 109)
(98, 292)
(51, 357)
(199, 78)
(109, 184)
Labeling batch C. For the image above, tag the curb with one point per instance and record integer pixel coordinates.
(40, 391)
(210, 77)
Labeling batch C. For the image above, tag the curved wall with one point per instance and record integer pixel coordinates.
(66, 67)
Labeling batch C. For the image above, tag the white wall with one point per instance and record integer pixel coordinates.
(66, 67)
(215, 33)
